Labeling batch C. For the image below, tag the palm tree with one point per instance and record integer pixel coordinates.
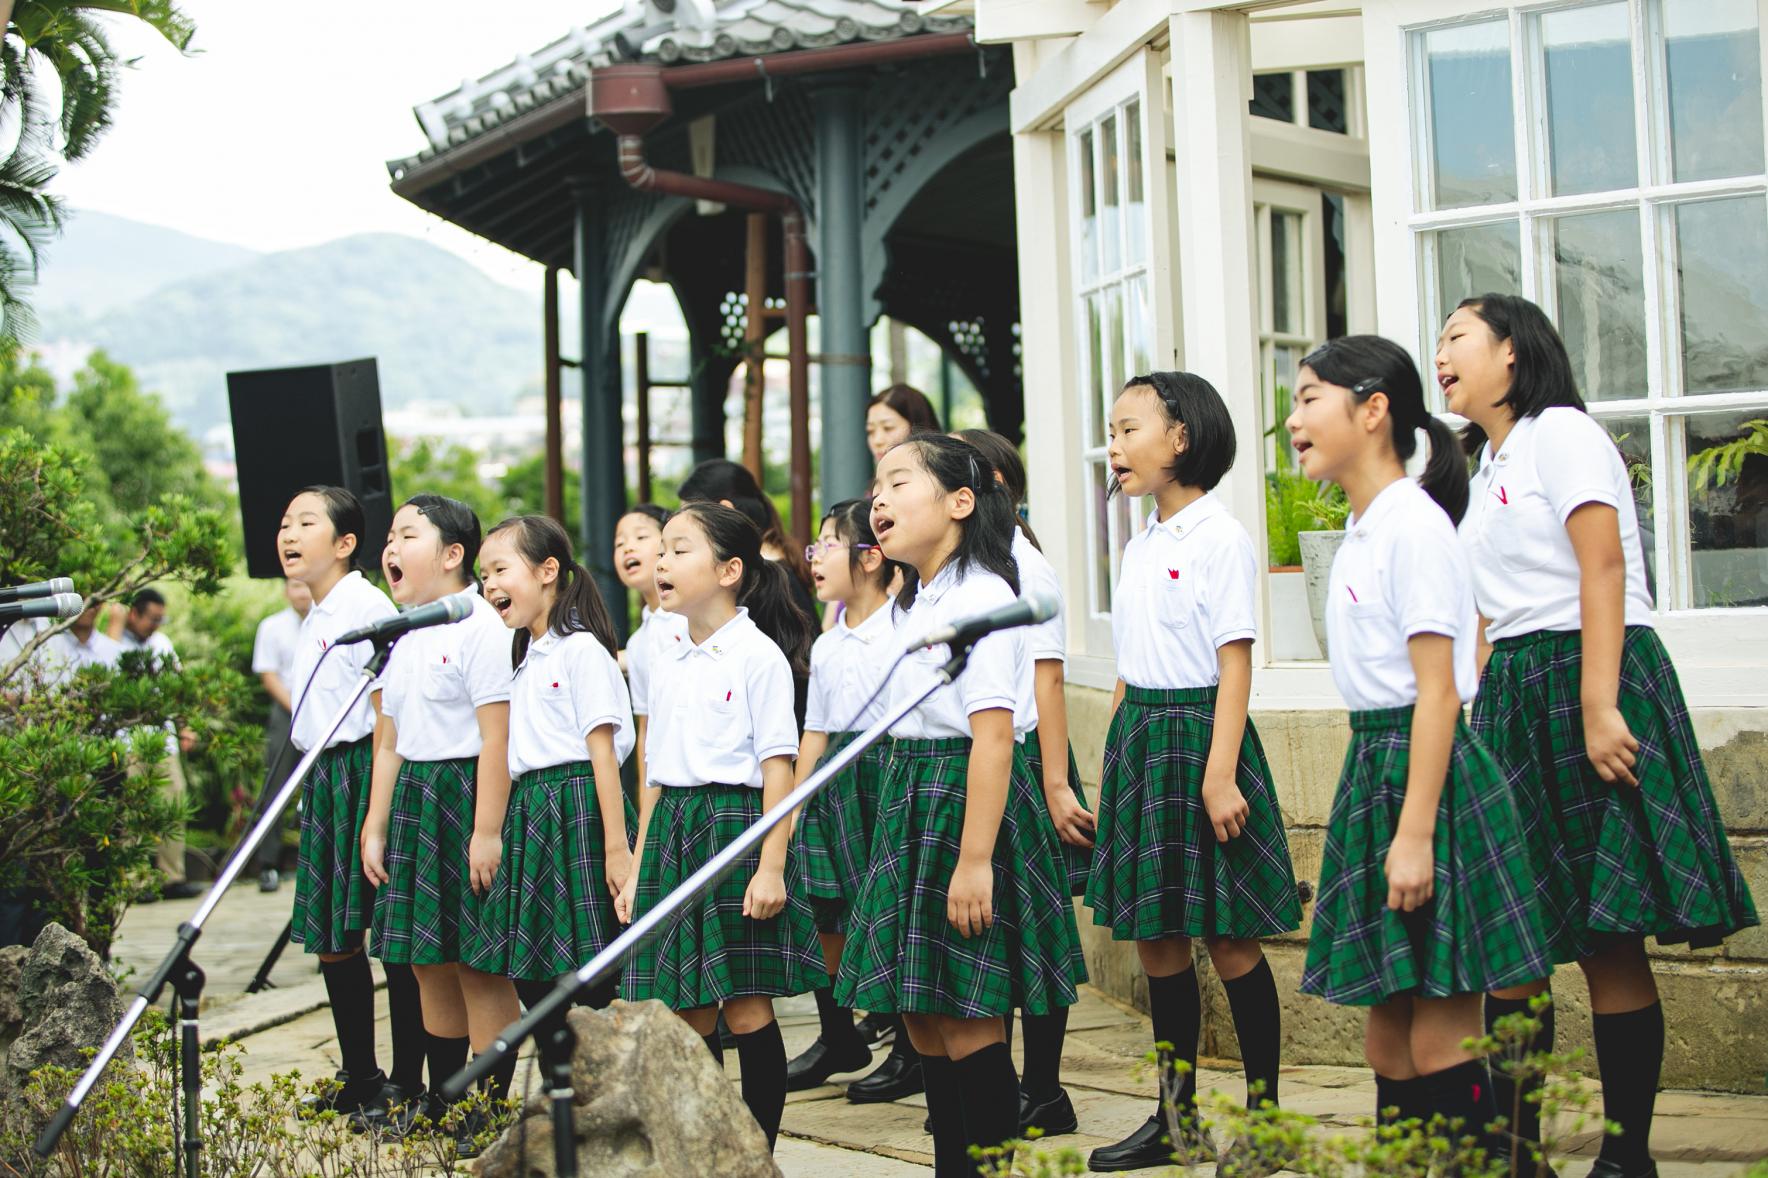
(66, 38)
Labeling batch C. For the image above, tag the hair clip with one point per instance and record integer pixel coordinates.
(1366, 386)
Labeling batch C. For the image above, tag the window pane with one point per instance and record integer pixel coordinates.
(1134, 212)
(1713, 58)
(1089, 211)
(1589, 99)
(1287, 292)
(1326, 101)
(1139, 327)
(1475, 261)
(1722, 274)
(1728, 507)
(1332, 209)
(1470, 121)
(1273, 96)
(1104, 558)
(1095, 346)
(1285, 360)
(1601, 284)
(1632, 437)
(1109, 170)
(1113, 340)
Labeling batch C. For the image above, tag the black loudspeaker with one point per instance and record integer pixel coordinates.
(293, 427)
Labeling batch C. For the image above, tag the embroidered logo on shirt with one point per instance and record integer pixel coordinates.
(727, 697)
(1173, 573)
(445, 660)
(555, 684)
(1503, 496)
(1353, 594)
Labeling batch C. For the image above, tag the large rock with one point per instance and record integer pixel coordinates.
(69, 1003)
(650, 1103)
(12, 1015)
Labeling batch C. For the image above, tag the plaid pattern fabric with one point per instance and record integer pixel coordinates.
(426, 912)
(833, 838)
(549, 909)
(903, 955)
(1480, 930)
(333, 899)
(1610, 860)
(1157, 868)
(711, 951)
(1076, 861)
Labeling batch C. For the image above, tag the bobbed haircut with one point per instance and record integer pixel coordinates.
(577, 603)
(345, 512)
(457, 523)
(1007, 463)
(765, 589)
(985, 536)
(1541, 376)
(1191, 401)
(911, 404)
(853, 524)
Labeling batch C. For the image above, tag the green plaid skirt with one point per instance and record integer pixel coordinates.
(833, 837)
(1076, 861)
(426, 912)
(549, 909)
(334, 902)
(1480, 930)
(1610, 860)
(1157, 868)
(903, 955)
(710, 951)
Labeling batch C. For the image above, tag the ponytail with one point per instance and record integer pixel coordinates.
(577, 602)
(766, 588)
(1007, 463)
(1445, 471)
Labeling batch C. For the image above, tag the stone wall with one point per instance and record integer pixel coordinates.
(1715, 1000)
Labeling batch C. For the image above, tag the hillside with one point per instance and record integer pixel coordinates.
(101, 262)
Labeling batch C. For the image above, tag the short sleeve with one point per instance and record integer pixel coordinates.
(772, 715)
(1048, 639)
(1230, 585)
(598, 692)
(267, 646)
(1577, 462)
(816, 707)
(485, 653)
(638, 670)
(1430, 576)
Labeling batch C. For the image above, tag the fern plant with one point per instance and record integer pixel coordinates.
(1718, 465)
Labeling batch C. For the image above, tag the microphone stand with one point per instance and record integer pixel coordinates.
(184, 974)
(547, 1017)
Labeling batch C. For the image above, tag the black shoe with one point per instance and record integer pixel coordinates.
(927, 1125)
(1604, 1168)
(1054, 1116)
(467, 1131)
(876, 1029)
(819, 1061)
(1149, 1146)
(390, 1112)
(269, 880)
(898, 1076)
(351, 1097)
(184, 889)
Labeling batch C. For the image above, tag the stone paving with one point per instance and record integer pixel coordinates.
(1697, 1135)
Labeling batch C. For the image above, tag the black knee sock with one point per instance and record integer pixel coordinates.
(900, 1046)
(501, 1080)
(599, 996)
(990, 1094)
(1462, 1093)
(445, 1056)
(1523, 1115)
(763, 1056)
(715, 1046)
(1388, 1096)
(1630, 1059)
(349, 986)
(1258, 1022)
(1176, 1007)
(837, 1028)
(405, 1017)
(951, 1143)
(1044, 1035)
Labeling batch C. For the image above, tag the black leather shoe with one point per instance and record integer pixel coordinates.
(1054, 1116)
(390, 1112)
(819, 1061)
(351, 1097)
(1149, 1146)
(184, 889)
(898, 1076)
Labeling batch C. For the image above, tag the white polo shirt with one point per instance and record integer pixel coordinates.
(1186, 587)
(352, 602)
(846, 665)
(654, 630)
(1049, 638)
(567, 686)
(437, 679)
(273, 648)
(1525, 573)
(999, 674)
(1401, 571)
(719, 708)
(60, 658)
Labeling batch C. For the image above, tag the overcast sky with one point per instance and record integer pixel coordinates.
(276, 134)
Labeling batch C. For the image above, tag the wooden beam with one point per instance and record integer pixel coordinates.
(754, 340)
(641, 377)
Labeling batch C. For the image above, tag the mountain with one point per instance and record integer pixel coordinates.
(438, 327)
(100, 262)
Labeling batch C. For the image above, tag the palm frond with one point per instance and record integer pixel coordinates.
(18, 324)
(88, 67)
(163, 16)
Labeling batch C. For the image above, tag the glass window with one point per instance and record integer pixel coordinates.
(1273, 96)
(1089, 209)
(1632, 435)
(1135, 220)
(1474, 157)
(1713, 63)
(1287, 291)
(1109, 180)
(1589, 69)
(1722, 276)
(1475, 260)
(1326, 105)
(1728, 507)
(1337, 319)
(1600, 281)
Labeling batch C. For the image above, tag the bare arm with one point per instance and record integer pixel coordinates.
(647, 804)
(969, 901)
(1483, 649)
(1595, 533)
(1222, 798)
(491, 796)
(387, 764)
(610, 799)
(811, 747)
(1073, 823)
(766, 893)
(277, 690)
(1412, 857)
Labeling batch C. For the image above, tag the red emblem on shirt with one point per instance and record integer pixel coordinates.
(1173, 573)
(444, 660)
(1353, 593)
(727, 697)
(1503, 497)
(555, 684)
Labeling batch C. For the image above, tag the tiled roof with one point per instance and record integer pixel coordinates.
(669, 32)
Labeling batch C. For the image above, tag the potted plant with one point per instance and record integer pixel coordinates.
(1304, 525)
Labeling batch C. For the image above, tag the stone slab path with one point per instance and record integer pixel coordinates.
(1697, 1135)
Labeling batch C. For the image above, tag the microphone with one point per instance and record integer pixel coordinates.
(37, 589)
(1024, 611)
(61, 605)
(452, 608)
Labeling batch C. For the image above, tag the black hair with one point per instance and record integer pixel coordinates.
(1191, 401)
(578, 605)
(985, 537)
(910, 404)
(1541, 376)
(344, 510)
(1369, 364)
(765, 589)
(657, 515)
(457, 523)
(1007, 463)
(146, 597)
(853, 524)
(720, 479)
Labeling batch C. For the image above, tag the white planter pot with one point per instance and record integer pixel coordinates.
(1317, 551)
(1292, 634)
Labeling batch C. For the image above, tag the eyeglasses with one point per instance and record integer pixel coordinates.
(813, 551)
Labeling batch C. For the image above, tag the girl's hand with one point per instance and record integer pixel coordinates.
(484, 853)
(1411, 871)
(1612, 749)
(374, 856)
(969, 901)
(617, 868)
(766, 894)
(1226, 807)
(623, 899)
(1074, 823)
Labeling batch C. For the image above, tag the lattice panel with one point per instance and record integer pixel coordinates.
(778, 137)
(906, 112)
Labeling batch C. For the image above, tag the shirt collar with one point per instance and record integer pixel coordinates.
(1188, 517)
(1387, 501)
(1500, 456)
(870, 630)
(719, 643)
(940, 585)
(334, 598)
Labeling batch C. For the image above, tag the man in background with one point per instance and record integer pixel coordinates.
(273, 658)
(139, 631)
